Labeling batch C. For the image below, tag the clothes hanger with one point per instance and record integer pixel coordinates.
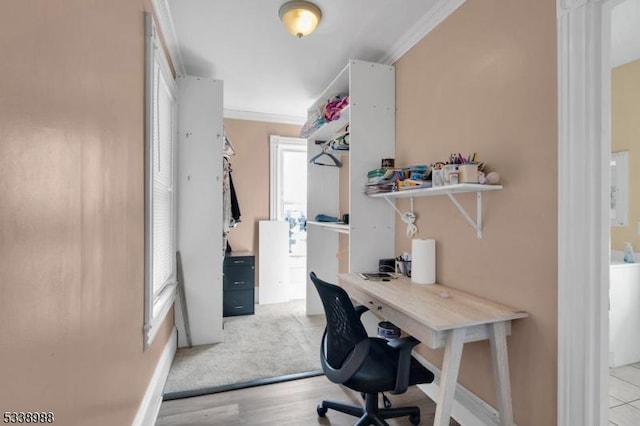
(335, 161)
(340, 142)
(227, 148)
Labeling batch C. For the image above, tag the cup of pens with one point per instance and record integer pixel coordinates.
(467, 167)
(468, 173)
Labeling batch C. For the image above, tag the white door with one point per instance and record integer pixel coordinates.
(273, 251)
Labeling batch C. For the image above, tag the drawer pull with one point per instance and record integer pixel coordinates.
(238, 261)
(238, 307)
(238, 282)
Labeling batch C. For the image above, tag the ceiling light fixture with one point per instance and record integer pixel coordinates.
(300, 18)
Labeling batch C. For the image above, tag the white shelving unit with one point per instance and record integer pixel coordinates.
(449, 191)
(199, 203)
(371, 119)
(327, 131)
(341, 228)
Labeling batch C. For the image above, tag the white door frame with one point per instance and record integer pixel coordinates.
(584, 147)
(278, 144)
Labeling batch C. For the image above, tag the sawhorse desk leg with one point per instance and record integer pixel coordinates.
(500, 359)
(449, 377)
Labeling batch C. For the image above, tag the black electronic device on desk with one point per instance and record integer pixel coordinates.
(238, 284)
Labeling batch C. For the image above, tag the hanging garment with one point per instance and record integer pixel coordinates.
(226, 201)
(230, 207)
(235, 207)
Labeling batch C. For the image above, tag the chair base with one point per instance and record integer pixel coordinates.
(370, 414)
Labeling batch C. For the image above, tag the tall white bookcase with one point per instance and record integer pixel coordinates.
(371, 119)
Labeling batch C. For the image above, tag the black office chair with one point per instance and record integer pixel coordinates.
(369, 365)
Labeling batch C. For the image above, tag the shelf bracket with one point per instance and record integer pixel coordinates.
(477, 225)
(449, 191)
(408, 217)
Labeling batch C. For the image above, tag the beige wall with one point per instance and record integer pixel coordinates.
(71, 211)
(485, 81)
(625, 136)
(250, 173)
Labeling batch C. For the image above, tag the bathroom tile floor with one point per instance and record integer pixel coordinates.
(624, 395)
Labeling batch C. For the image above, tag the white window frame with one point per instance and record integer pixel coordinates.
(158, 297)
(277, 146)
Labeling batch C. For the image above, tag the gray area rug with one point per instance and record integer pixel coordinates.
(280, 339)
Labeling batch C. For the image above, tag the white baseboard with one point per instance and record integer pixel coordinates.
(468, 409)
(150, 405)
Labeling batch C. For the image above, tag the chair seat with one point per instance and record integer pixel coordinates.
(378, 373)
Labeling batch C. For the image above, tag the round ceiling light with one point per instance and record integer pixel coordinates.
(300, 18)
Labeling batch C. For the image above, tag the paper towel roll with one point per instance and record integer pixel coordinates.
(423, 261)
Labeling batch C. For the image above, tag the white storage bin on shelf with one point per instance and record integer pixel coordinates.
(371, 119)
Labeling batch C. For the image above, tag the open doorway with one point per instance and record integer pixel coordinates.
(288, 203)
(584, 74)
(278, 341)
(624, 288)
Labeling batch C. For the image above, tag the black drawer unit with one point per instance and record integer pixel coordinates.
(238, 284)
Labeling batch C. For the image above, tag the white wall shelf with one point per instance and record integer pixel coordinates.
(328, 130)
(341, 228)
(449, 191)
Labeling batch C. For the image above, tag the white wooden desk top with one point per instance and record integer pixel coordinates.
(437, 306)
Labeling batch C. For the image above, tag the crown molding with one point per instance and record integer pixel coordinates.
(438, 13)
(261, 116)
(162, 13)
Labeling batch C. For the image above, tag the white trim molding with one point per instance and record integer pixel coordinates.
(437, 14)
(583, 211)
(161, 306)
(162, 13)
(261, 116)
(150, 405)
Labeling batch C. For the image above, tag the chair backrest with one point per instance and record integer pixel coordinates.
(344, 329)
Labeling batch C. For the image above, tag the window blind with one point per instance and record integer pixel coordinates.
(164, 246)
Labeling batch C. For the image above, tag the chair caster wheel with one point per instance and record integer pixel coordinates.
(322, 411)
(415, 419)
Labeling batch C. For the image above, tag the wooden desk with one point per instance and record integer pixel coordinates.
(442, 317)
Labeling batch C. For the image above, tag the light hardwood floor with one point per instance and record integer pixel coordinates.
(290, 403)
